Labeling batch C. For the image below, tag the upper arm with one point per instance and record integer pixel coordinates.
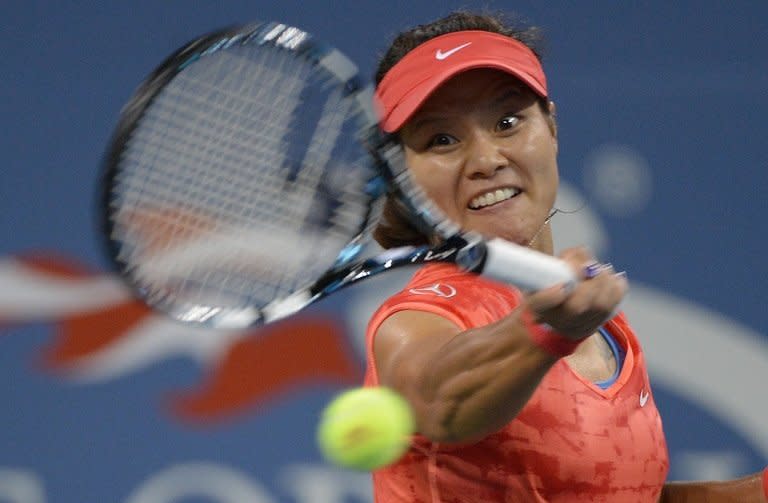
(747, 489)
(404, 345)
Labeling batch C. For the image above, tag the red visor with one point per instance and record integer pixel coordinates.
(410, 82)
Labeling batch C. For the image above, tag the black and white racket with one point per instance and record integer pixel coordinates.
(245, 177)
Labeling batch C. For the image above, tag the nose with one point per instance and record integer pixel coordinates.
(485, 157)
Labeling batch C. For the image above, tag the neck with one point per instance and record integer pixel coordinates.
(542, 240)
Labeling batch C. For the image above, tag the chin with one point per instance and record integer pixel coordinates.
(520, 238)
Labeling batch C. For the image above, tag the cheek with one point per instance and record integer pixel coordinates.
(549, 182)
(541, 155)
(434, 179)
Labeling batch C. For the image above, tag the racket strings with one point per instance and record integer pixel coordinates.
(158, 134)
(210, 160)
(214, 145)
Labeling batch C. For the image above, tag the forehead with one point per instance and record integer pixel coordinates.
(475, 88)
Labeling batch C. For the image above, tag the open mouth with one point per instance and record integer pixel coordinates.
(493, 197)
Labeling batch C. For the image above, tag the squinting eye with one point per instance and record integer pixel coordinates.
(507, 123)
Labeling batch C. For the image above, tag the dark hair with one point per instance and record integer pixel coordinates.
(395, 229)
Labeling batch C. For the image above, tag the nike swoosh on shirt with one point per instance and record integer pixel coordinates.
(440, 55)
(644, 397)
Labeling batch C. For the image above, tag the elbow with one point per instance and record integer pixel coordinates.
(435, 420)
(444, 421)
(458, 410)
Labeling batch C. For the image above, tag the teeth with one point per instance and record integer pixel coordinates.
(493, 197)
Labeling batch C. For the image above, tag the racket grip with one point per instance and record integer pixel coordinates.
(527, 269)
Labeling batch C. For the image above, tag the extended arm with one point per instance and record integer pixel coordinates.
(464, 385)
(750, 489)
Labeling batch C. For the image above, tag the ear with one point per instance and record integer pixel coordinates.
(552, 120)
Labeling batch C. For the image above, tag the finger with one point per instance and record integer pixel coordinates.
(583, 263)
(613, 296)
(570, 300)
(594, 269)
(600, 297)
(548, 298)
(577, 258)
(586, 307)
(591, 270)
(597, 297)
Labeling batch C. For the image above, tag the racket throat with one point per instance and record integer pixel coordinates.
(286, 306)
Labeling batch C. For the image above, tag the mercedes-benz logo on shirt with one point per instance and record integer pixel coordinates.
(439, 289)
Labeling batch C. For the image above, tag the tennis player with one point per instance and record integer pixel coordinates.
(518, 398)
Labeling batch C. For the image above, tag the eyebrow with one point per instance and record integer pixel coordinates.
(508, 93)
(416, 126)
(512, 92)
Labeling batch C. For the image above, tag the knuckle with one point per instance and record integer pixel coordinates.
(577, 253)
(578, 306)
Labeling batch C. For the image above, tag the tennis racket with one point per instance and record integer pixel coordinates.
(246, 174)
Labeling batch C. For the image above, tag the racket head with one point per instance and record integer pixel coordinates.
(239, 172)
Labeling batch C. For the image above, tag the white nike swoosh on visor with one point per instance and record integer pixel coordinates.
(440, 55)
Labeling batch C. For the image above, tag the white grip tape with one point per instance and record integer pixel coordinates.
(524, 268)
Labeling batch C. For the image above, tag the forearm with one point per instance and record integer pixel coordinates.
(466, 385)
(748, 489)
(478, 381)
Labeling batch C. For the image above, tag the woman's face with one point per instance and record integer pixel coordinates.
(485, 152)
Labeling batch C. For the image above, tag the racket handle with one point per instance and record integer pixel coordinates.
(527, 269)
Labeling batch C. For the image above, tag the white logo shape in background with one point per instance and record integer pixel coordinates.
(439, 289)
(440, 55)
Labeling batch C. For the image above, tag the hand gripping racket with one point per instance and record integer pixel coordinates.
(246, 174)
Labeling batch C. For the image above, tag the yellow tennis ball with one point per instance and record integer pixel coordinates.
(365, 428)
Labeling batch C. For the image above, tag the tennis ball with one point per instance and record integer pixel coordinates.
(365, 428)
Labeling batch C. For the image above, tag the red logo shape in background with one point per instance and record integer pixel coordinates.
(281, 357)
(254, 367)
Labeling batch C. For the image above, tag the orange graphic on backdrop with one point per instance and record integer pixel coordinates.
(258, 365)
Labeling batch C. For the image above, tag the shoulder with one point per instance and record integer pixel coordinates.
(439, 301)
(466, 298)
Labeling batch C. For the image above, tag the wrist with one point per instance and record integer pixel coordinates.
(547, 338)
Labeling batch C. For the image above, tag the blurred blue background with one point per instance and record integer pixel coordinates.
(661, 109)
